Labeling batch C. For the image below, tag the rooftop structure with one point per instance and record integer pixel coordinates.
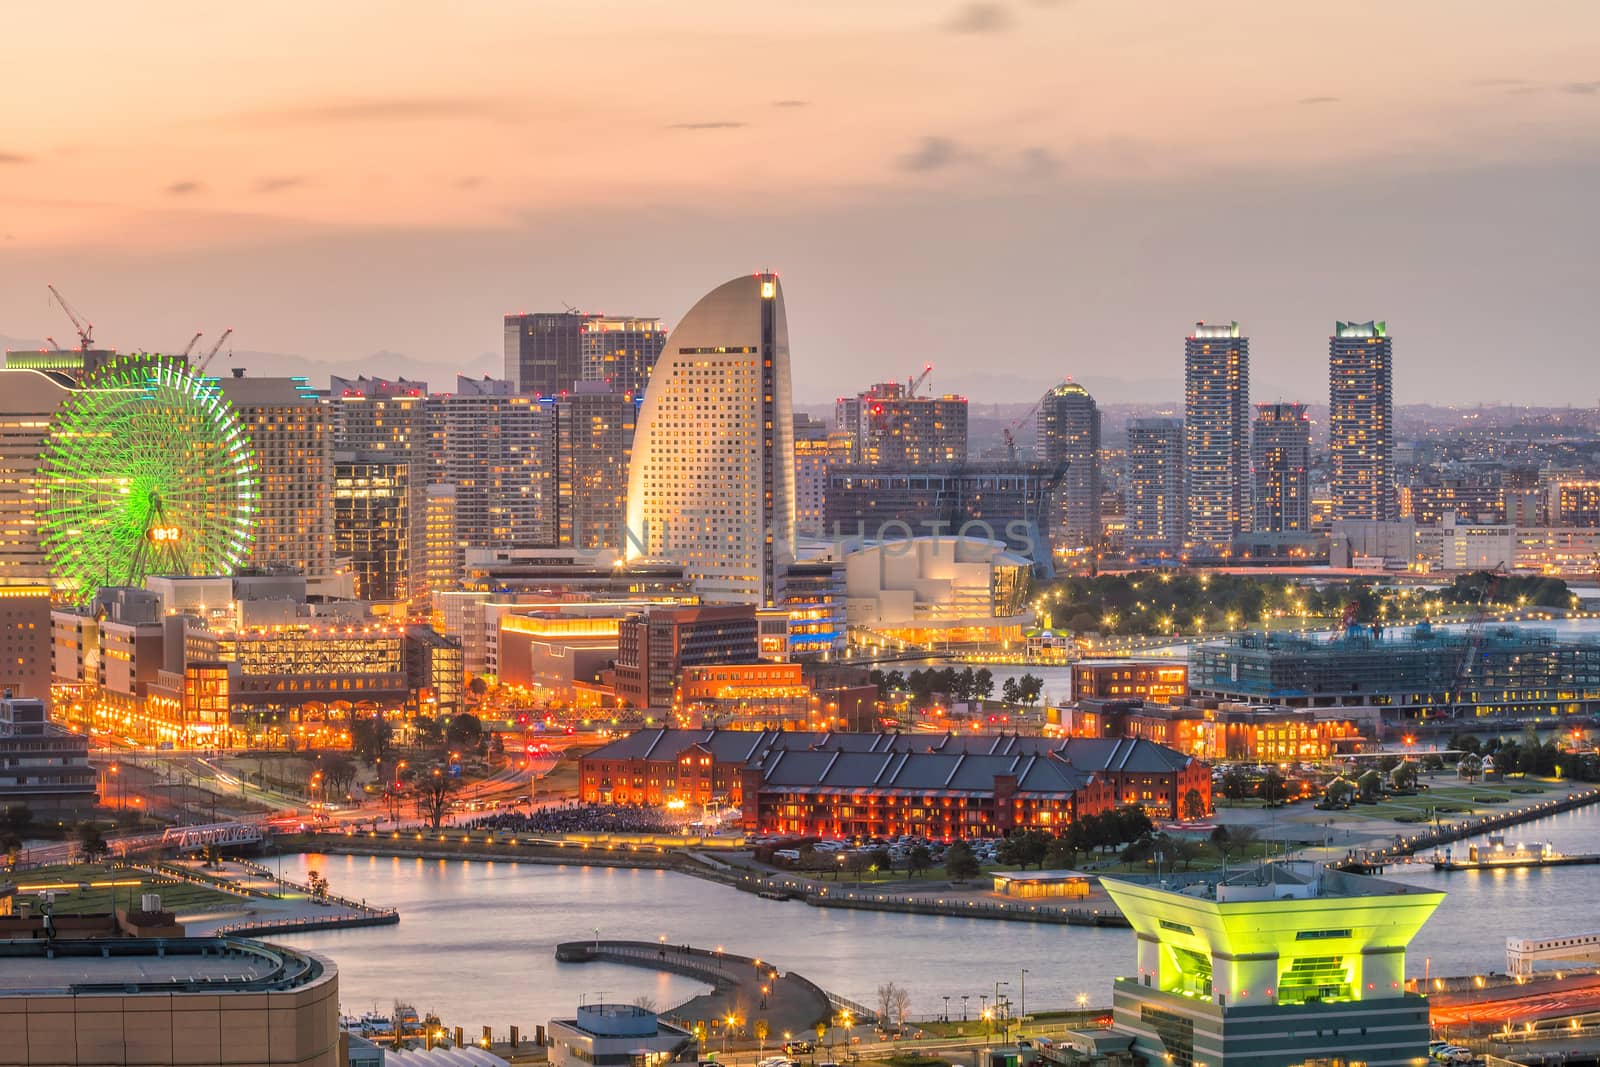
(198, 1000)
(1282, 956)
(1508, 671)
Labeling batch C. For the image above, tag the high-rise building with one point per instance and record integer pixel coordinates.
(895, 428)
(1216, 439)
(594, 432)
(544, 351)
(29, 400)
(441, 555)
(496, 446)
(655, 645)
(1361, 421)
(711, 479)
(372, 523)
(813, 457)
(25, 641)
(621, 351)
(1154, 486)
(291, 433)
(388, 420)
(1069, 437)
(1280, 457)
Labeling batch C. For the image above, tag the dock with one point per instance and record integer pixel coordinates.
(1517, 862)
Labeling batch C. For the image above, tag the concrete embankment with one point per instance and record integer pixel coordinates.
(1449, 833)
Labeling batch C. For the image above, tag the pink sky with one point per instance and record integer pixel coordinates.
(336, 179)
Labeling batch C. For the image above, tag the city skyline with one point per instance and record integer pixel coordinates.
(1091, 161)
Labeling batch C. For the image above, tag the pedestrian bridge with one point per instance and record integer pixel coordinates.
(1523, 953)
(217, 834)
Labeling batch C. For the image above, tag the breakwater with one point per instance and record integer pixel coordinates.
(1459, 830)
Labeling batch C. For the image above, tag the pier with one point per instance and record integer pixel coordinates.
(1515, 862)
(743, 988)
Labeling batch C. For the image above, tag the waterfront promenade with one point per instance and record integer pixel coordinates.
(744, 989)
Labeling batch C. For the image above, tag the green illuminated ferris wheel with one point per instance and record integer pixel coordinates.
(147, 471)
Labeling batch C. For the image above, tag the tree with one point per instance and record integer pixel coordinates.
(93, 842)
(761, 1029)
(478, 687)
(1273, 787)
(1010, 692)
(1235, 783)
(959, 862)
(1404, 777)
(319, 885)
(1194, 806)
(918, 860)
(429, 731)
(465, 730)
(882, 860)
(894, 1002)
(983, 684)
(1339, 793)
(1470, 767)
(1061, 856)
(433, 796)
(1030, 689)
(339, 772)
(370, 737)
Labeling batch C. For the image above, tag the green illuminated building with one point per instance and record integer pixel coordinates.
(1274, 967)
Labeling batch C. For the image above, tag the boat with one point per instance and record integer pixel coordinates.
(407, 1022)
(374, 1024)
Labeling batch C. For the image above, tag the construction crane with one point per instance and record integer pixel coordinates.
(206, 362)
(190, 346)
(1009, 432)
(55, 346)
(913, 384)
(85, 329)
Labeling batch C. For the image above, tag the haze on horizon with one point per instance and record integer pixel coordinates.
(1016, 190)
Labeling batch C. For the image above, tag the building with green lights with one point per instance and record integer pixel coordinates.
(1274, 967)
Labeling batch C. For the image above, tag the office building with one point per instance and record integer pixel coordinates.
(1361, 421)
(893, 427)
(1573, 503)
(29, 400)
(496, 447)
(943, 787)
(372, 523)
(593, 440)
(993, 501)
(544, 351)
(653, 646)
(99, 1001)
(441, 554)
(1280, 461)
(1129, 679)
(1514, 673)
(390, 420)
(1069, 440)
(42, 765)
(1154, 487)
(814, 455)
(1282, 963)
(25, 641)
(711, 479)
(621, 352)
(1216, 439)
(604, 1035)
(812, 593)
(290, 431)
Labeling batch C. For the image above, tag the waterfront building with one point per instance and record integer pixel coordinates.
(1227, 732)
(893, 427)
(621, 351)
(1280, 964)
(29, 400)
(1155, 680)
(744, 696)
(291, 433)
(1154, 488)
(1216, 439)
(615, 1035)
(711, 479)
(372, 523)
(593, 440)
(655, 645)
(42, 765)
(97, 1001)
(1007, 501)
(1280, 461)
(1506, 672)
(939, 591)
(945, 787)
(1361, 421)
(1069, 440)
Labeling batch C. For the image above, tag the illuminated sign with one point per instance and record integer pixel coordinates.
(163, 535)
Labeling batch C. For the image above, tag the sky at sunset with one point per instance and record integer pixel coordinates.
(1016, 190)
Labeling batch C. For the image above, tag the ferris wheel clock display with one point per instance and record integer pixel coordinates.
(148, 470)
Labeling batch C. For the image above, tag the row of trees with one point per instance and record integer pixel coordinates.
(961, 686)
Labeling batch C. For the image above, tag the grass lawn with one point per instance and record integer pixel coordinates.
(177, 897)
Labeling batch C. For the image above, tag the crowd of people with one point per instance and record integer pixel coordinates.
(579, 818)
